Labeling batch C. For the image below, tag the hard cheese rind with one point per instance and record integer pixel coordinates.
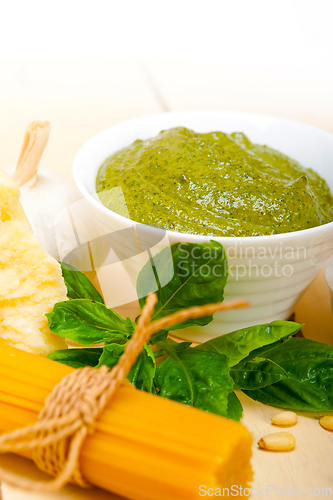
(30, 280)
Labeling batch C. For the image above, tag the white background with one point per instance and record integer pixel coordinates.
(85, 65)
(284, 35)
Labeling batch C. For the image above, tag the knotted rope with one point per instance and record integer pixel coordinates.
(71, 409)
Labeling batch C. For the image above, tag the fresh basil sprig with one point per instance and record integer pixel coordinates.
(110, 355)
(308, 381)
(235, 409)
(196, 276)
(239, 344)
(265, 361)
(78, 358)
(142, 373)
(257, 373)
(78, 285)
(199, 379)
(89, 322)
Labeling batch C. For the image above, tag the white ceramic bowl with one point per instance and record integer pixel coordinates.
(329, 278)
(270, 271)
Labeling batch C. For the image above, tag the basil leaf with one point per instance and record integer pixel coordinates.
(111, 354)
(158, 337)
(199, 379)
(78, 285)
(88, 322)
(237, 345)
(309, 386)
(235, 409)
(170, 345)
(199, 276)
(304, 359)
(293, 395)
(143, 371)
(261, 351)
(77, 358)
(256, 373)
(129, 324)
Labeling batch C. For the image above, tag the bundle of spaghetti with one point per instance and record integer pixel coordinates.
(143, 446)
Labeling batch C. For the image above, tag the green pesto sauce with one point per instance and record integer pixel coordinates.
(215, 184)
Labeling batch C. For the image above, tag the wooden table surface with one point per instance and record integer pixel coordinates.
(82, 97)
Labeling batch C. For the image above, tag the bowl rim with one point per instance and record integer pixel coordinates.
(189, 236)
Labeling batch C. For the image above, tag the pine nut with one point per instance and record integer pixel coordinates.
(285, 419)
(278, 441)
(326, 423)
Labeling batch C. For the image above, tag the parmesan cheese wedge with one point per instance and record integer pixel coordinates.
(30, 280)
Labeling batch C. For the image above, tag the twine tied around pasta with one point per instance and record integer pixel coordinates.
(71, 409)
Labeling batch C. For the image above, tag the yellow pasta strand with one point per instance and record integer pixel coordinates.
(144, 447)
